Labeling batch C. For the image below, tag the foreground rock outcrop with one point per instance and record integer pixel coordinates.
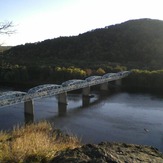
(110, 153)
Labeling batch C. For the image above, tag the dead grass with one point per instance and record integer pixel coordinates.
(34, 143)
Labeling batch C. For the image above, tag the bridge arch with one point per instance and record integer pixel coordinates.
(43, 90)
(12, 97)
(12, 94)
(45, 87)
(72, 82)
(109, 75)
(92, 78)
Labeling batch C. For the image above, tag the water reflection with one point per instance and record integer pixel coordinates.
(62, 109)
(86, 101)
(28, 118)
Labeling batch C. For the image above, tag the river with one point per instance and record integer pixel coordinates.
(122, 117)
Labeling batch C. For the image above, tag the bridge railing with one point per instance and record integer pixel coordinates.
(14, 97)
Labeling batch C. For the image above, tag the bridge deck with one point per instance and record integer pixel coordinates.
(41, 91)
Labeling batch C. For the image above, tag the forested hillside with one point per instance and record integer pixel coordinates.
(135, 44)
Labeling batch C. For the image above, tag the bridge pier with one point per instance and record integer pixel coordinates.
(118, 84)
(29, 111)
(85, 101)
(85, 96)
(62, 104)
(62, 98)
(86, 91)
(28, 118)
(29, 107)
(104, 86)
(62, 109)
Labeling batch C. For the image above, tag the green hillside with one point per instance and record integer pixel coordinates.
(135, 44)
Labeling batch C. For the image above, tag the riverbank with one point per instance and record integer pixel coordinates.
(42, 142)
(37, 142)
(107, 152)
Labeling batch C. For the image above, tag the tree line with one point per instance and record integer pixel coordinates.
(144, 80)
(33, 75)
(140, 80)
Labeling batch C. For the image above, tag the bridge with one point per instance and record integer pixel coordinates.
(47, 90)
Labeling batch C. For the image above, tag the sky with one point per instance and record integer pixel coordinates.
(38, 20)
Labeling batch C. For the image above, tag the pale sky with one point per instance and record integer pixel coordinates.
(38, 20)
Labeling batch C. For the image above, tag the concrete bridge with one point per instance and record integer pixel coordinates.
(14, 97)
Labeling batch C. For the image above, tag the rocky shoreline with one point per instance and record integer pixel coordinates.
(107, 152)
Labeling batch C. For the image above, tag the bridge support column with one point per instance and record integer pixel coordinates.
(86, 91)
(104, 87)
(62, 98)
(29, 107)
(62, 109)
(85, 96)
(62, 104)
(118, 82)
(29, 111)
(85, 101)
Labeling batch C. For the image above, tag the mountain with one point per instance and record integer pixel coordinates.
(134, 43)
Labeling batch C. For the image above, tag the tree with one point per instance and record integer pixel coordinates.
(100, 71)
(6, 28)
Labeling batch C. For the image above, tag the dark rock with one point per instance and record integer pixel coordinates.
(106, 152)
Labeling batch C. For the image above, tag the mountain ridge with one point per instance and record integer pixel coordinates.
(132, 43)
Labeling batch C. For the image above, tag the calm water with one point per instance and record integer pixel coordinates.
(123, 117)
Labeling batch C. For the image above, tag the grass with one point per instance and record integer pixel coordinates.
(34, 143)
